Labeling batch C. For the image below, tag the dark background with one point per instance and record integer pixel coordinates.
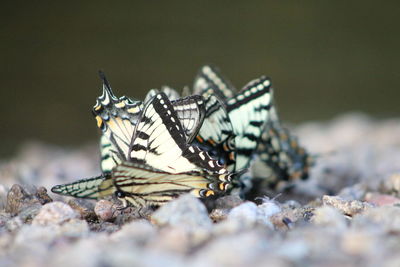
(325, 57)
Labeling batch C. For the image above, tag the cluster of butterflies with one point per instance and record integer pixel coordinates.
(201, 143)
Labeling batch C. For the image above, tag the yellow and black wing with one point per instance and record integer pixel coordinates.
(95, 187)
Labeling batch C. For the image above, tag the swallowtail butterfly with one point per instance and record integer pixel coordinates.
(117, 119)
(277, 148)
(159, 165)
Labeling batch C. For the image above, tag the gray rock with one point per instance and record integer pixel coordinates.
(18, 199)
(186, 211)
(54, 213)
(347, 207)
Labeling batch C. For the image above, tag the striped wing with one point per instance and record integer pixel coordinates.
(171, 93)
(159, 141)
(96, 187)
(210, 78)
(142, 185)
(216, 134)
(281, 152)
(248, 111)
(190, 112)
(117, 119)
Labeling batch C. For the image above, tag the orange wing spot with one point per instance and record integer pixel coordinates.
(99, 121)
(211, 141)
(201, 140)
(225, 147)
(209, 193)
(232, 156)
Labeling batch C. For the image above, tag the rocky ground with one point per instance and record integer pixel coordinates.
(346, 214)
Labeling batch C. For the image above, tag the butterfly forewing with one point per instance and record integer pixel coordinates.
(190, 112)
(159, 138)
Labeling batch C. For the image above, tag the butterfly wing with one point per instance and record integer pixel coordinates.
(281, 152)
(216, 133)
(210, 78)
(190, 112)
(96, 187)
(117, 118)
(142, 185)
(248, 111)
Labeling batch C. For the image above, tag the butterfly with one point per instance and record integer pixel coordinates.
(118, 117)
(263, 136)
(158, 164)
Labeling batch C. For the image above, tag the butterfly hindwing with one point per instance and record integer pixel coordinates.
(117, 118)
(96, 187)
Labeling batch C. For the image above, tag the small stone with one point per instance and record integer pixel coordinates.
(140, 231)
(105, 210)
(74, 228)
(246, 213)
(186, 211)
(3, 197)
(381, 199)
(30, 212)
(42, 195)
(347, 207)
(392, 184)
(329, 217)
(218, 215)
(385, 217)
(18, 199)
(14, 224)
(356, 242)
(54, 213)
(354, 192)
(84, 207)
(228, 202)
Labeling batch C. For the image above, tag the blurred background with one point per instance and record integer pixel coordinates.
(324, 57)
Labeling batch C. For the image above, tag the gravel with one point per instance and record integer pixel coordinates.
(346, 214)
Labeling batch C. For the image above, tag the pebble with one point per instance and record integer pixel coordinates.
(347, 207)
(381, 199)
(18, 199)
(54, 213)
(186, 211)
(3, 197)
(105, 210)
(84, 207)
(384, 217)
(140, 232)
(392, 184)
(329, 217)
